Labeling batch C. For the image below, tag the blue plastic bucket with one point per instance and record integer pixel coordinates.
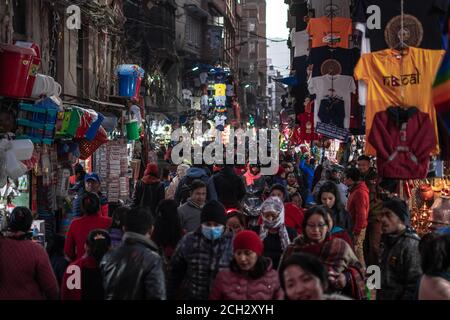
(130, 76)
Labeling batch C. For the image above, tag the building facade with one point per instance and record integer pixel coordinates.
(253, 58)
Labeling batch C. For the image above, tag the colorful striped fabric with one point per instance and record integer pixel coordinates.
(442, 103)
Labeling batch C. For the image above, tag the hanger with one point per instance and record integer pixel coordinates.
(402, 46)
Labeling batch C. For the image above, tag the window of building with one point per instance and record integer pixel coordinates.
(193, 31)
(19, 19)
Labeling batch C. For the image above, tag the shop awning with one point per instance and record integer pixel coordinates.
(289, 81)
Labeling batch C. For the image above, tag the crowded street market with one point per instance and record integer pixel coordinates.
(167, 150)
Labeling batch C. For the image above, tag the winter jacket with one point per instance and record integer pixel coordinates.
(195, 264)
(134, 270)
(116, 237)
(272, 245)
(342, 218)
(403, 140)
(231, 285)
(308, 172)
(189, 214)
(358, 206)
(78, 232)
(25, 271)
(229, 187)
(183, 190)
(148, 195)
(91, 281)
(400, 266)
(375, 204)
(434, 288)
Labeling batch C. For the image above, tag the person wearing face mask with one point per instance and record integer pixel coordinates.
(345, 272)
(250, 275)
(235, 221)
(275, 235)
(200, 254)
(304, 277)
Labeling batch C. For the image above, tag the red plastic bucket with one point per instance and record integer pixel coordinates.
(15, 64)
(35, 63)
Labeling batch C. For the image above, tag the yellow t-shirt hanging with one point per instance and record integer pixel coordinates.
(396, 80)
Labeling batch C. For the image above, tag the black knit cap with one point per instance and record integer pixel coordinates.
(398, 207)
(214, 211)
(20, 219)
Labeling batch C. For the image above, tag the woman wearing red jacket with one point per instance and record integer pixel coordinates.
(250, 275)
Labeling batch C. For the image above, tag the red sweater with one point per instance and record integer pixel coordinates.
(358, 206)
(78, 232)
(293, 216)
(87, 262)
(25, 271)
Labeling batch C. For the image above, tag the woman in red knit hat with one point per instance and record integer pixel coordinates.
(250, 275)
(149, 191)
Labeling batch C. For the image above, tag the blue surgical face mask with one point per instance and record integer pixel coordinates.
(212, 233)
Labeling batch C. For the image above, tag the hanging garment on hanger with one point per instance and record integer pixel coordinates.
(301, 43)
(403, 140)
(319, 29)
(332, 111)
(422, 20)
(343, 87)
(340, 8)
(382, 71)
(306, 121)
(324, 58)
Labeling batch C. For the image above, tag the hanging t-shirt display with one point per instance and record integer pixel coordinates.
(422, 23)
(333, 94)
(220, 101)
(339, 8)
(333, 32)
(220, 89)
(306, 120)
(301, 43)
(220, 122)
(327, 60)
(396, 80)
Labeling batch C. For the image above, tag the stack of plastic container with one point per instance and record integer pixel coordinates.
(37, 121)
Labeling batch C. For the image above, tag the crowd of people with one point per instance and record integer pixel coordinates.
(190, 235)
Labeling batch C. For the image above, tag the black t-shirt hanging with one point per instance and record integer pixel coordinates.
(339, 60)
(422, 22)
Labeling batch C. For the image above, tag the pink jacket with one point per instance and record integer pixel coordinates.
(230, 285)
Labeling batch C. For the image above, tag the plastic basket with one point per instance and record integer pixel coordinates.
(87, 148)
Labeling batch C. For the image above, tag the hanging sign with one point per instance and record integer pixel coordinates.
(331, 131)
